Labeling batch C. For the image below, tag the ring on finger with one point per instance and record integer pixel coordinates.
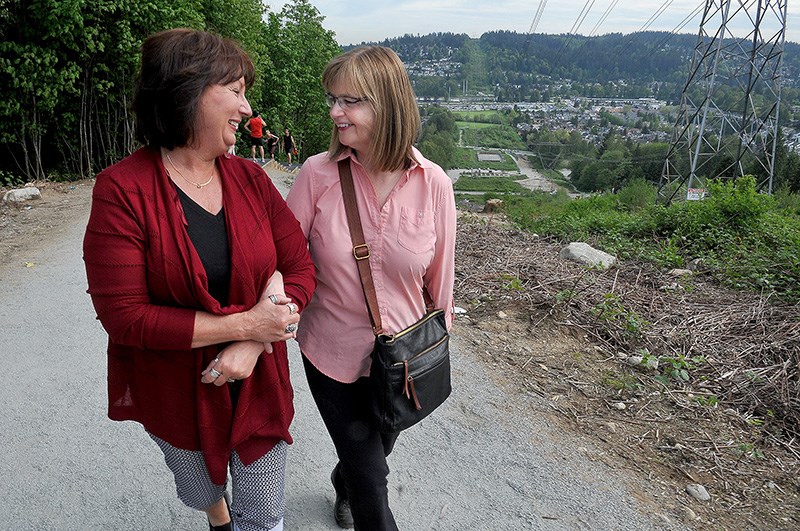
(273, 299)
(292, 307)
(291, 328)
(231, 380)
(215, 360)
(215, 373)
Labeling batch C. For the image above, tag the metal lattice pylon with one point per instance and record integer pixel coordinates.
(727, 122)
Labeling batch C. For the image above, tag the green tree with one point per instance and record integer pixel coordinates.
(67, 70)
(299, 47)
(438, 137)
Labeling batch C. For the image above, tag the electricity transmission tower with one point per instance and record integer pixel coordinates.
(727, 123)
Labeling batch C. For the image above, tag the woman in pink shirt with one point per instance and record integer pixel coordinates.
(408, 215)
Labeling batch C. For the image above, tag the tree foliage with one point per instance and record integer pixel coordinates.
(438, 139)
(67, 69)
(299, 48)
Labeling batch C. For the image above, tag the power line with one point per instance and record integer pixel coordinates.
(681, 25)
(658, 13)
(538, 16)
(581, 17)
(603, 18)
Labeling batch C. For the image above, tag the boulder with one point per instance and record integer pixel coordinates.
(492, 205)
(22, 194)
(586, 254)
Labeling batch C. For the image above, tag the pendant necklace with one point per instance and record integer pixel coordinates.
(197, 185)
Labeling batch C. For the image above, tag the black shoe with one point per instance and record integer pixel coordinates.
(341, 507)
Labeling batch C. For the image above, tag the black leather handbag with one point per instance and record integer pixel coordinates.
(410, 372)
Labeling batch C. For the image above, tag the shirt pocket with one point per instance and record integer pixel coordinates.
(416, 233)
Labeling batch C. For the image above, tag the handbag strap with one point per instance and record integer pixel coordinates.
(361, 248)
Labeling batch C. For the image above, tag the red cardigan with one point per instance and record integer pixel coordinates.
(146, 281)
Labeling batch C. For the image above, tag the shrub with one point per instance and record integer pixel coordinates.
(639, 194)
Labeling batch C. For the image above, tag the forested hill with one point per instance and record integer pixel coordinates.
(649, 63)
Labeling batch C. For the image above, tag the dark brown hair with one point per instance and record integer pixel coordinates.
(177, 66)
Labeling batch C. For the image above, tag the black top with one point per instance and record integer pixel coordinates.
(209, 235)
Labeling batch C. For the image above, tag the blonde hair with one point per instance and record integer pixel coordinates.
(377, 73)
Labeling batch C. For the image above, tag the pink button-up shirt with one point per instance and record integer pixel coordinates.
(412, 244)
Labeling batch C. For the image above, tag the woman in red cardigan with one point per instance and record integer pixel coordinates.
(181, 252)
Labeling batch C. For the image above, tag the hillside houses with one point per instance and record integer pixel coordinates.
(641, 120)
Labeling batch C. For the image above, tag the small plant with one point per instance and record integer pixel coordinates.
(620, 382)
(749, 450)
(678, 368)
(512, 283)
(565, 295)
(611, 310)
(9, 180)
(707, 401)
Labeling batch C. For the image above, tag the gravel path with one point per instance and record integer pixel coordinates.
(485, 460)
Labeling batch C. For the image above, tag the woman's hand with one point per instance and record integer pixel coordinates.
(234, 362)
(273, 318)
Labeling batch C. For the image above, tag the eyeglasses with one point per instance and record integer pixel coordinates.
(343, 101)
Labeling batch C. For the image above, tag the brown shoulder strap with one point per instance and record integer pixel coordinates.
(360, 248)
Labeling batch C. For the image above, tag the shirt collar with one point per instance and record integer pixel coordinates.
(423, 162)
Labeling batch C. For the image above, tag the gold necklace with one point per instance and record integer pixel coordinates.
(197, 185)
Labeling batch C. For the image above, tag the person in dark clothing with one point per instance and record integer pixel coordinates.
(272, 143)
(288, 145)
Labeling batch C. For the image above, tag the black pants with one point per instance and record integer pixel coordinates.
(362, 450)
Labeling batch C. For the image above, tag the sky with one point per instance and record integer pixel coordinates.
(357, 21)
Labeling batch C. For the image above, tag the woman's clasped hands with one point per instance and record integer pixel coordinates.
(274, 318)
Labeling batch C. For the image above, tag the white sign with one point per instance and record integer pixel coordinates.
(695, 194)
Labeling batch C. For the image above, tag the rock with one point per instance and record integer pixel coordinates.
(635, 361)
(492, 205)
(680, 272)
(665, 519)
(697, 492)
(502, 315)
(689, 515)
(610, 426)
(619, 405)
(22, 194)
(459, 310)
(671, 287)
(586, 254)
(696, 265)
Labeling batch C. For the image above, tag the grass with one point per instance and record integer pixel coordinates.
(503, 185)
(467, 158)
(485, 117)
(745, 239)
(474, 125)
